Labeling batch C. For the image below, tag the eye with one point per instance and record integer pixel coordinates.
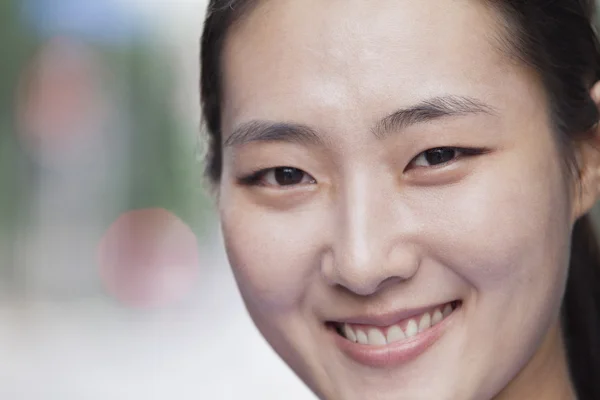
(278, 177)
(442, 155)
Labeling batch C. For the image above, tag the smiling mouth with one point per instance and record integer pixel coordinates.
(371, 335)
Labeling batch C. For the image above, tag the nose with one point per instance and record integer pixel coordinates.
(373, 242)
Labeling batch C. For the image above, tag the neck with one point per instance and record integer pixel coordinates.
(546, 376)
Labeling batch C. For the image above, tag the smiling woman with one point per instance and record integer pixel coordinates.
(404, 188)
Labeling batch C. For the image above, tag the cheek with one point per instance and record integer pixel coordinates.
(273, 255)
(508, 237)
(507, 231)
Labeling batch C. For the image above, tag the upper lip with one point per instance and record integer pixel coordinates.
(387, 318)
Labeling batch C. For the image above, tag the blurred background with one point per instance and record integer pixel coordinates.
(113, 281)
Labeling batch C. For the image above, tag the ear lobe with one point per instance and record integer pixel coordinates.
(587, 155)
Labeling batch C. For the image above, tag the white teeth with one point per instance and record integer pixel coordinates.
(447, 310)
(362, 337)
(376, 338)
(411, 329)
(395, 334)
(437, 317)
(425, 322)
(349, 333)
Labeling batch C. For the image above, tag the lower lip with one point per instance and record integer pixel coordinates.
(397, 353)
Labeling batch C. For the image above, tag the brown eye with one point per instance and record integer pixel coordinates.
(286, 176)
(433, 157)
(278, 177)
(440, 156)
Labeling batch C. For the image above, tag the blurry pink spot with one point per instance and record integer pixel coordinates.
(60, 98)
(149, 258)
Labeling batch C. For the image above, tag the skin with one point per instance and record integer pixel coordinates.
(368, 229)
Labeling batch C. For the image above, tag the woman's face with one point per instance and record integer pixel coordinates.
(416, 245)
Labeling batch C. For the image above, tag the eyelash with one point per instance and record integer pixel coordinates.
(257, 178)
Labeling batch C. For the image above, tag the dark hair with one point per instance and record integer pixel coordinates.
(557, 39)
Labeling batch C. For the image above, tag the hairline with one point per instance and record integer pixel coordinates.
(504, 38)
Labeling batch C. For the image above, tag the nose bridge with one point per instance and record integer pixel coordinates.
(359, 214)
(369, 233)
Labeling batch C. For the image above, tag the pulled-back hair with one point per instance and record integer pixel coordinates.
(557, 40)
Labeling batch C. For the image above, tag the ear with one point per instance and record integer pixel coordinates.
(587, 156)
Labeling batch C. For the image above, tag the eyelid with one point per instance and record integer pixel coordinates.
(256, 178)
(462, 152)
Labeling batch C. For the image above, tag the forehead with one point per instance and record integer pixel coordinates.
(310, 59)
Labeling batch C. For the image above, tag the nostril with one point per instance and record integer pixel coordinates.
(365, 272)
(390, 281)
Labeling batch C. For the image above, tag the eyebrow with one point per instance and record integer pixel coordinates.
(430, 110)
(425, 111)
(267, 131)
